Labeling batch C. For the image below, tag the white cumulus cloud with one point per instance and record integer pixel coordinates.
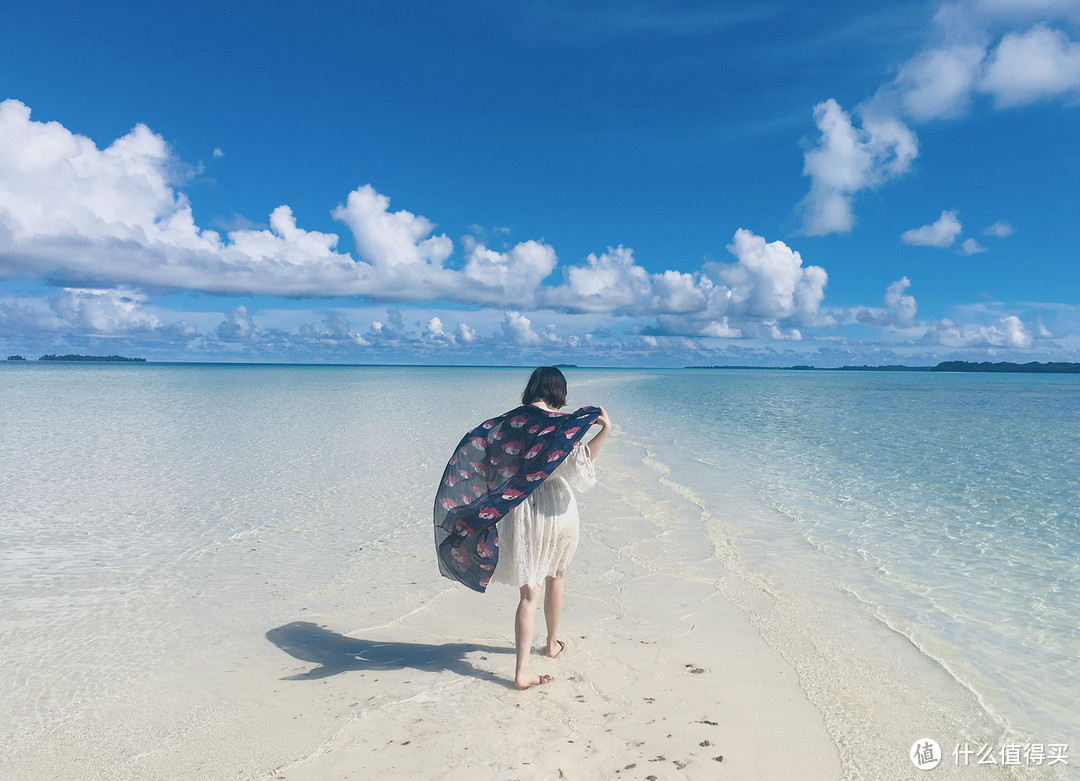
(435, 334)
(610, 282)
(517, 272)
(104, 311)
(971, 247)
(768, 284)
(466, 334)
(976, 47)
(1009, 331)
(1026, 67)
(899, 309)
(391, 239)
(333, 330)
(937, 83)
(61, 186)
(973, 55)
(111, 226)
(614, 282)
(285, 245)
(848, 159)
(238, 325)
(89, 217)
(517, 329)
(941, 233)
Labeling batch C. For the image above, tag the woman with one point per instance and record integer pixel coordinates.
(519, 470)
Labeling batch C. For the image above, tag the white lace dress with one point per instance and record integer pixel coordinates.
(538, 538)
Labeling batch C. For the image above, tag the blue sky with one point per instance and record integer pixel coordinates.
(633, 183)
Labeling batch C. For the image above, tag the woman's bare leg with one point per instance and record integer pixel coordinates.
(553, 599)
(524, 622)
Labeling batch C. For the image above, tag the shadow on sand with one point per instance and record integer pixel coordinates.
(335, 654)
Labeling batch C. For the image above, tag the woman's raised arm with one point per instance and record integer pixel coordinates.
(597, 442)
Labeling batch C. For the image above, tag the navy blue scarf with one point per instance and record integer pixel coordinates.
(494, 468)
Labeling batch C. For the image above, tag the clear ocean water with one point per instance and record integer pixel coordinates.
(132, 498)
(948, 504)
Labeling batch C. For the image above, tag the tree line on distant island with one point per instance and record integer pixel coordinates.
(1032, 367)
(1003, 366)
(83, 358)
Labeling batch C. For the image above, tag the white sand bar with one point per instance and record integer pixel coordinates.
(661, 677)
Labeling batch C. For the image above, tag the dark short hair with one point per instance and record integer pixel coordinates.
(548, 385)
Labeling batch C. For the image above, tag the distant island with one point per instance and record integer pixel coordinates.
(1030, 368)
(15, 358)
(805, 367)
(945, 366)
(91, 358)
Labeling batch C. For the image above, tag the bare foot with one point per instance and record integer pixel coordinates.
(559, 650)
(529, 680)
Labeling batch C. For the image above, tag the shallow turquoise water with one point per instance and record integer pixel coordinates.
(947, 501)
(135, 496)
(150, 511)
